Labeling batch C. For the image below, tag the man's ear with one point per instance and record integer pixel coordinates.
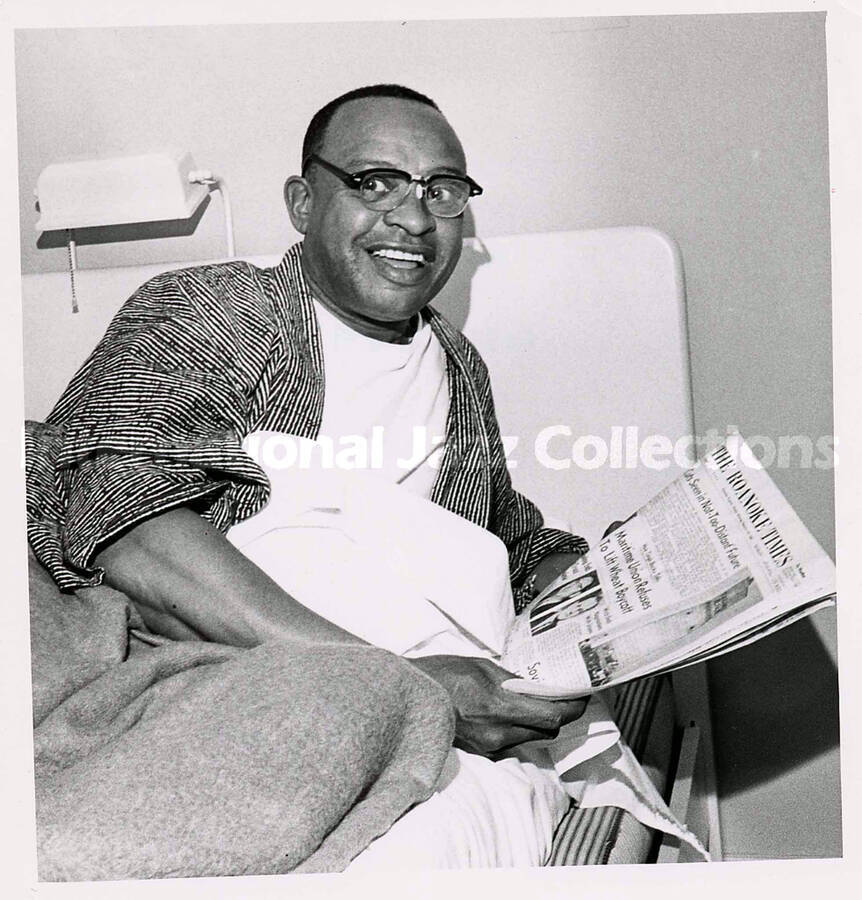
(298, 200)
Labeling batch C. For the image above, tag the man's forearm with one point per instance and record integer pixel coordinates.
(554, 564)
(188, 581)
(550, 567)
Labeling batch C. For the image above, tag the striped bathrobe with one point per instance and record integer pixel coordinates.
(194, 361)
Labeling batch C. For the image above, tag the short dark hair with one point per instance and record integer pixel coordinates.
(316, 131)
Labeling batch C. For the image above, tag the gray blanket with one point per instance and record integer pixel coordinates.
(159, 758)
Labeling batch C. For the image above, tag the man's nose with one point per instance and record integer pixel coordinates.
(412, 214)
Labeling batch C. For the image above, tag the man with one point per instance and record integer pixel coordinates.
(139, 469)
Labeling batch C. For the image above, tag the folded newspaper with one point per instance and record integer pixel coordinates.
(716, 560)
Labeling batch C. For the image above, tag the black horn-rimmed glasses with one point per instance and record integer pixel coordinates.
(446, 196)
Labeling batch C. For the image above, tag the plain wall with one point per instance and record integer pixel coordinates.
(710, 128)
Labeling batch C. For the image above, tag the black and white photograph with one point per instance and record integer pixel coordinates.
(342, 344)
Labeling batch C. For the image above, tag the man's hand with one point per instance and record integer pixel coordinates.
(489, 718)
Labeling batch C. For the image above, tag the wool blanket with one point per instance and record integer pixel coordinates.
(158, 758)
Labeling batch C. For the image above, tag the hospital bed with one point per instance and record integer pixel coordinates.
(585, 337)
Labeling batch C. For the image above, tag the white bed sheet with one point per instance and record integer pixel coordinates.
(489, 814)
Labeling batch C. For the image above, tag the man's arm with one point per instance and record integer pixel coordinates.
(554, 564)
(549, 567)
(189, 582)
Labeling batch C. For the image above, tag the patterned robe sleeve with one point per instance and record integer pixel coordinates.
(153, 419)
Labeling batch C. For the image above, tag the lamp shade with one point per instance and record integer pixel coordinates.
(147, 187)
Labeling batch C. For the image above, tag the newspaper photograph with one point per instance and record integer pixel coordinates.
(715, 560)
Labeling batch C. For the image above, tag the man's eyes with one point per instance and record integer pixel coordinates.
(380, 183)
(443, 190)
(388, 181)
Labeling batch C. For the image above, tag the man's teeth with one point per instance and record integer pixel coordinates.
(400, 254)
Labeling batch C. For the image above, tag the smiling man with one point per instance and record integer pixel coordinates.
(381, 215)
(140, 470)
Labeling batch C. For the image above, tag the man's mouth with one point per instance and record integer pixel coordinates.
(401, 259)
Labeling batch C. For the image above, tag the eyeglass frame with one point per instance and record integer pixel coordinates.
(354, 180)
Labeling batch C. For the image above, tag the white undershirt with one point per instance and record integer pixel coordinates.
(385, 405)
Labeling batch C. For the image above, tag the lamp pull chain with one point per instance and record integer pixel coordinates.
(70, 247)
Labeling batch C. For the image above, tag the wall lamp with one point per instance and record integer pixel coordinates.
(111, 192)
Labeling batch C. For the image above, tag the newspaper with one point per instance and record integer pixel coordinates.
(716, 560)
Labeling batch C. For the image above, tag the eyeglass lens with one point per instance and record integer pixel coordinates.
(445, 197)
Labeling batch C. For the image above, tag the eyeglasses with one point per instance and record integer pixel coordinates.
(446, 196)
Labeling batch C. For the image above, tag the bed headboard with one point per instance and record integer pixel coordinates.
(583, 331)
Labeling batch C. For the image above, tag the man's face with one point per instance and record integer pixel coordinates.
(344, 239)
